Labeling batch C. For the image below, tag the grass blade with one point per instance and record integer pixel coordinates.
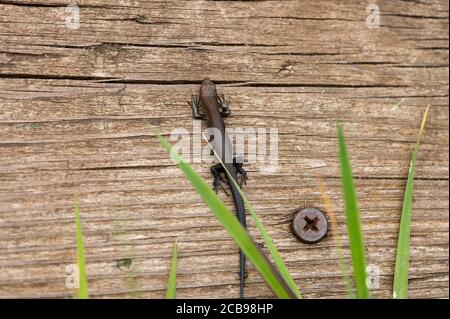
(172, 286)
(232, 225)
(274, 252)
(267, 240)
(402, 258)
(353, 221)
(337, 240)
(82, 292)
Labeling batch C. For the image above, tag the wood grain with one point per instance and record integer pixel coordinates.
(78, 108)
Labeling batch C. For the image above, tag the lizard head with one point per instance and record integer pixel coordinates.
(208, 88)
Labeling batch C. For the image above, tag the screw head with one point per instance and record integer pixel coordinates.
(310, 225)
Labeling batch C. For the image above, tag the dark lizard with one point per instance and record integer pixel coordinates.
(216, 109)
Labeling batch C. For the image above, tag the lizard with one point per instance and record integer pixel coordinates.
(217, 108)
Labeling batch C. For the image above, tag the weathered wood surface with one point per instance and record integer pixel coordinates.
(77, 108)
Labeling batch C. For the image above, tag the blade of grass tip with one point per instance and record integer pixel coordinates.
(83, 292)
(267, 240)
(353, 220)
(337, 240)
(172, 286)
(402, 258)
(232, 225)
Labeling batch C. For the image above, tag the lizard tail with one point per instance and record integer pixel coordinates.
(242, 273)
(240, 212)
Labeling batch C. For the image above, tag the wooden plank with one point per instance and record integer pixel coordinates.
(78, 109)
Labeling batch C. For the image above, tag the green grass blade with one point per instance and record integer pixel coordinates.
(337, 240)
(82, 292)
(274, 252)
(172, 286)
(232, 225)
(402, 258)
(266, 237)
(353, 221)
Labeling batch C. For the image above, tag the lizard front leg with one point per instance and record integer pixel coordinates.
(195, 105)
(223, 105)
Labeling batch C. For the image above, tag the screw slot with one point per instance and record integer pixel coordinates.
(311, 223)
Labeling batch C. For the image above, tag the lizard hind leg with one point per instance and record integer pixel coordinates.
(238, 164)
(217, 171)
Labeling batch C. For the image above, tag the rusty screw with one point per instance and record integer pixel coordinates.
(310, 225)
